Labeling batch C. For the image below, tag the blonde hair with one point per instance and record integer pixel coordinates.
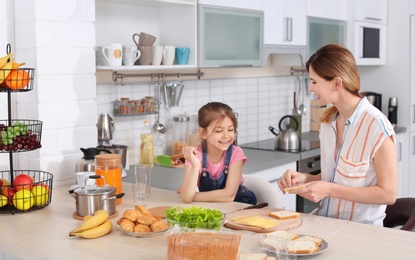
(332, 61)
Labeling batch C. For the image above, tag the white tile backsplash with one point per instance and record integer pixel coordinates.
(259, 102)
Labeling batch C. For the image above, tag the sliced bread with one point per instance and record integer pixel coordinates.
(317, 240)
(283, 234)
(284, 214)
(302, 247)
(252, 256)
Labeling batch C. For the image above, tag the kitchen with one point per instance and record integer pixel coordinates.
(67, 84)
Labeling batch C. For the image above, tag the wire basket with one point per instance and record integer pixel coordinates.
(35, 195)
(21, 136)
(17, 80)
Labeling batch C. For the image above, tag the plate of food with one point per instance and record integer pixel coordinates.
(145, 232)
(283, 242)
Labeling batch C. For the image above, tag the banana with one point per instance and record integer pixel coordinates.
(5, 71)
(100, 216)
(3, 60)
(16, 65)
(96, 232)
(87, 217)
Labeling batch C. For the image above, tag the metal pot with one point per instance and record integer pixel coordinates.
(289, 139)
(91, 198)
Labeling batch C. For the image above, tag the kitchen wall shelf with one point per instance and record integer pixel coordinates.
(21, 135)
(117, 75)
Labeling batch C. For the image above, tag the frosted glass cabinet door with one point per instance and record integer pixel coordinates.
(230, 37)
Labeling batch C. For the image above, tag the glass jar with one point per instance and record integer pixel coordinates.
(110, 167)
(125, 106)
(180, 133)
(147, 145)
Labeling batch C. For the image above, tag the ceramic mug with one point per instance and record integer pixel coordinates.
(100, 59)
(143, 39)
(157, 55)
(168, 55)
(182, 54)
(113, 54)
(81, 179)
(145, 58)
(130, 55)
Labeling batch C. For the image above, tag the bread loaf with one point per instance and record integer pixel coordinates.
(203, 245)
(291, 243)
(284, 214)
(253, 256)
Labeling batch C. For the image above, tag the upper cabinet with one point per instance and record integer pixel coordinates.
(329, 9)
(172, 22)
(370, 11)
(243, 4)
(285, 22)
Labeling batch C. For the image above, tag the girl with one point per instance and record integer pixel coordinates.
(358, 158)
(213, 170)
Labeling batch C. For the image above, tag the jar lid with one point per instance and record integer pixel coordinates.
(181, 119)
(102, 158)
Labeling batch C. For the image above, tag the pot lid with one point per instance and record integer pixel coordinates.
(94, 190)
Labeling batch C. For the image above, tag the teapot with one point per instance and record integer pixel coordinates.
(289, 139)
(87, 164)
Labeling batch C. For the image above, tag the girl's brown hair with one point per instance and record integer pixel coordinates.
(213, 111)
(332, 61)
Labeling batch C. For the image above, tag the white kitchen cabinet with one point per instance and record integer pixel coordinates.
(272, 175)
(329, 9)
(285, 22)
(371, 10)
(412, 75)
(244, 4)
(409, 181)
(402, 170)
(173, 22)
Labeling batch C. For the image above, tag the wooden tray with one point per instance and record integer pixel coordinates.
(284, 224)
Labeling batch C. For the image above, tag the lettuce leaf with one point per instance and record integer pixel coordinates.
(196, 217)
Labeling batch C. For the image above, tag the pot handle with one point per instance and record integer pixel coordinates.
(289, 116)
(274, 130)
(120, 195)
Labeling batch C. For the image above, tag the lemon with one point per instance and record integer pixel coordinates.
(3, 200)
(41, 195)
(23, 199)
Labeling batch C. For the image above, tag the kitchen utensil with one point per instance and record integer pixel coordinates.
(87, 164)
(164, 160)
(106, 129)
(91, 198)
(158, 127)
(172, 93)
(301, 108)
(283, 224)
(288, 139)
(296, 111)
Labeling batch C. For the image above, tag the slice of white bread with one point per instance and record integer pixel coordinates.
(252, 256)
(317, 240)
(295, 187)
(284, 214)
(302, 247)
(283, 234)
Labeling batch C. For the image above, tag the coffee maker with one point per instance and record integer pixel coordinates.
(393, 111)
(375, 99)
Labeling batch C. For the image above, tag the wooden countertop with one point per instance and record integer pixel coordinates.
(43, 234)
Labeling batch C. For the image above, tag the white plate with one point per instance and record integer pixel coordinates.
(144, 234)
(323, 247)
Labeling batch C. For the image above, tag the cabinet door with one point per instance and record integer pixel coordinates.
(409, 179)
(371, 10)
(336, 10)
(285, 22)
(412, 79)
(244, 4)
(401, 167)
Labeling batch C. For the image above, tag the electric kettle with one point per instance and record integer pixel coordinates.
(289, 139)
(105, 127)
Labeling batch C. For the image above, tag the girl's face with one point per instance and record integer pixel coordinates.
(219, 136)
(321, 88)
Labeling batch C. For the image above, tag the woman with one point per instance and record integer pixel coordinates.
(214, 169)
(359, 170)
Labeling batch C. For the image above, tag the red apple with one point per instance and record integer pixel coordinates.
(9, 193)
(23, 181)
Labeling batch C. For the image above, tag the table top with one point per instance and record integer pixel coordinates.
(44, 233)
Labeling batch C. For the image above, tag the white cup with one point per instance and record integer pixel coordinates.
(142, 187)
(157, 55)
(81, 177)
(113, 53)
(100, 59)
(168, 55)
(130, 55)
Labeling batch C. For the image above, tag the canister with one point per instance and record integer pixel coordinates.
(109, 166)
(180, 132)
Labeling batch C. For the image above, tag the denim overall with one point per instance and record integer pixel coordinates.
(207, 183)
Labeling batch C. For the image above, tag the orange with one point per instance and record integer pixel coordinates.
(17, 79)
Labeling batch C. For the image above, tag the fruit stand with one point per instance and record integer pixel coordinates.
(21, 190)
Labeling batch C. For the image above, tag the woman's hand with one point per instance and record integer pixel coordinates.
(291, 178)
(314, 191)
(190, 154)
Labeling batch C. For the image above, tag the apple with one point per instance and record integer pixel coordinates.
(23, 199)
(6, 183)
(41, 195)
(1, 184)
(3, 201)
(23, 181)
(9, 193)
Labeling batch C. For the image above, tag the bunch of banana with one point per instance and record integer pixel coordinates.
(7, 64)
(94, 226)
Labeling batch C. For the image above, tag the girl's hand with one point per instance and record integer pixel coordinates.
(190, 154)
(291, 178)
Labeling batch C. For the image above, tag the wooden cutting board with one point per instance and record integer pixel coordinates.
(283, 224)
(160, 211)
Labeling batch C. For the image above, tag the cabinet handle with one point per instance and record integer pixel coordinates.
(399, 151)
(413, 114)
(413, 145)
(373, 19)
(288, 32)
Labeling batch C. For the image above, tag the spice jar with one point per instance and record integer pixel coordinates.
(180, 133)
(125, 106)
(110, 167)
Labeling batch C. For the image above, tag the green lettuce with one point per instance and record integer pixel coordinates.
(196, 217)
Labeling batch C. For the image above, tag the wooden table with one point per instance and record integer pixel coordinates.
(43, 234)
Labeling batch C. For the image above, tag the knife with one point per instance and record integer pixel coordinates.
(257, 206)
